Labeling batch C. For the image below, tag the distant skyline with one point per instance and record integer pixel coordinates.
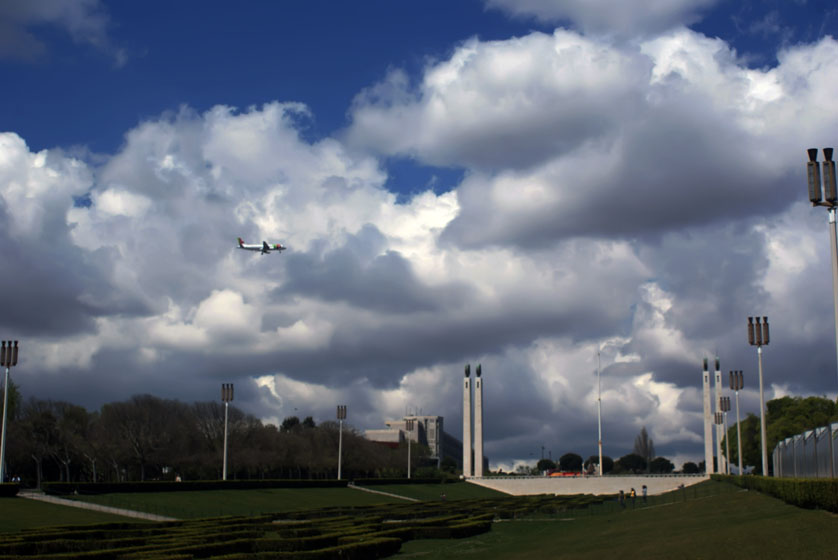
(517, 184)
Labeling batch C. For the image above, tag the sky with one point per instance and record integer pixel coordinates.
(527, 185)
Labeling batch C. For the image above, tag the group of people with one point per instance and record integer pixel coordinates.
(632, 496)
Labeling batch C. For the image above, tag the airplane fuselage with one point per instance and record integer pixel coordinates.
(264, 248)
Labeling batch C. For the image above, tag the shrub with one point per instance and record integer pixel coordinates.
(801, 492)
(9, 489)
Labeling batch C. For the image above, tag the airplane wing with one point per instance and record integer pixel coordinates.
(265, 247)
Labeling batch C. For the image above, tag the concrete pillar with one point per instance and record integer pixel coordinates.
(467, 471)
(478, 423)
(708, 432)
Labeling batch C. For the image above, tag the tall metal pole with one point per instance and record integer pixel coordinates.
(224, 468)
(3, 437)
(8, 358)
(763, 441)
(725, 409)
(718, 386)
(758, 336)
(226, 396)
(341, 417)
(599, 410)
(408, 425)
(736, 383)
(833, 241)
(340, 447)
(826, 195)
(738, 433)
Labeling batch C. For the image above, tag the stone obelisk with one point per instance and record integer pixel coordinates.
(708, 420)
(478, 422)
(467, 423)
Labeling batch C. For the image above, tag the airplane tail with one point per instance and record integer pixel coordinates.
(241, 242)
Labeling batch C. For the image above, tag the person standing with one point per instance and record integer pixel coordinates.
(633, 496)
(645, 490)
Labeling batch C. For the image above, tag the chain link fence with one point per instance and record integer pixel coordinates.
(807, 455)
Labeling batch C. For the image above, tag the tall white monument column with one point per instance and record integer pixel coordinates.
(718, 380)
(708, 432)
(478, 422)
(467, 423)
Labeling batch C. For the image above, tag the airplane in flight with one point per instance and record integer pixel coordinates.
(264, 248)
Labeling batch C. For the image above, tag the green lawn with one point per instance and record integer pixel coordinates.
(740, 524)
(211, 503)
(19, 513)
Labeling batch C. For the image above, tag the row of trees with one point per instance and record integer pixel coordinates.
(146, 437)
(785, 417)
(631, 463)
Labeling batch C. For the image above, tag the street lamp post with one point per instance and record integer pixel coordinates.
(599, 410)
(719, 418)
(736, 384)
(8, 358)
(828, 197)
(408, 426)
(226, 397)
(341, 417)
(758, 336)
(725, 407)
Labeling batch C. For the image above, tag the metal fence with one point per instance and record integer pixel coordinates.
(811, 454)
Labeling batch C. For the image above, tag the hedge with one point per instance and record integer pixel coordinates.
(801, 492)
(65, 488)
(9, 489)
(390, 481)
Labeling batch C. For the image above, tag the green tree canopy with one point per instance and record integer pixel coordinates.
(690, 468)
(570, 462)
(631, 463)
(661, 465)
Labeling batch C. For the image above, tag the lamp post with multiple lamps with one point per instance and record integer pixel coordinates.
(8, 359)
(408, 426)
(724, 406)
(341, 417)
(758, 336)
(826, 196)
(226, 397)
(599, 411)
(736, 384)
(719, 418)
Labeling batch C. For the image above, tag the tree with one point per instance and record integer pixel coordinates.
(690, 468)
(570, 462)
(661, 465)
(644, 446)
(290, 423)
(631, 463)
(593, 462)
(545, 465)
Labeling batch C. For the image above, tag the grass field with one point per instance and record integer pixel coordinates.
(211, 503)
(17, 514)
(741, 524)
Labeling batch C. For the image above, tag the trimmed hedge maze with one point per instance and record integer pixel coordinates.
(329, 533)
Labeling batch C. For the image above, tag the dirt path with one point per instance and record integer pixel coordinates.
(95, 507)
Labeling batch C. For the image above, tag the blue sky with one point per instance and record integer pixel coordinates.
(159, 56)
(516, 183)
